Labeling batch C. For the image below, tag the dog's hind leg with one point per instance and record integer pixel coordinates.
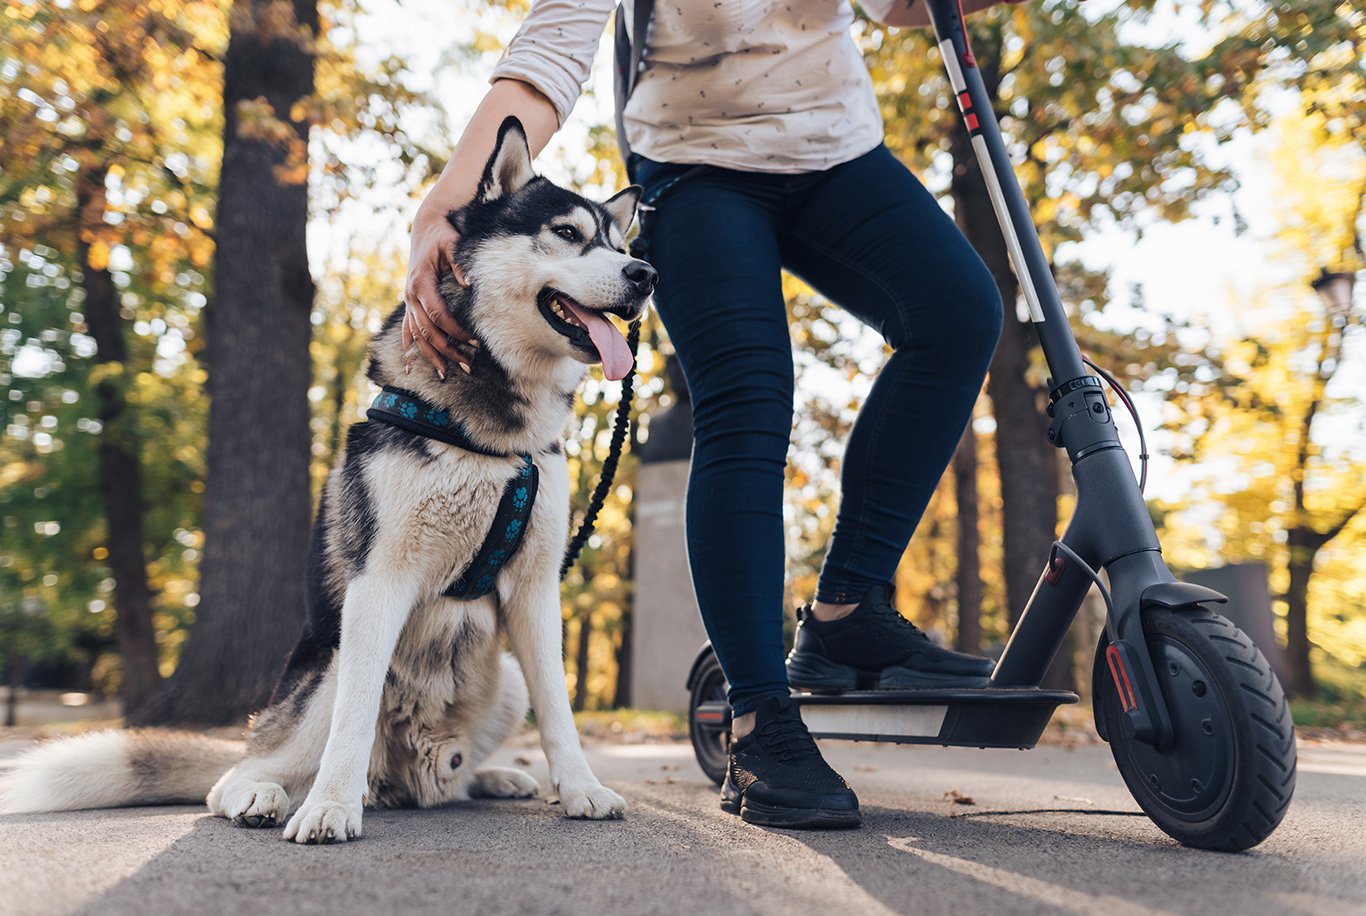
(376, 608)
(285, 745)
(508, 712)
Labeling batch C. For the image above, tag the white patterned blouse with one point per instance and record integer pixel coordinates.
(754, 85)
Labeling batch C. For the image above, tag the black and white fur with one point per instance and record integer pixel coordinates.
(395, 694)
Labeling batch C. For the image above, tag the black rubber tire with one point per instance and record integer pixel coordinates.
(1227, 780)
(710, 744)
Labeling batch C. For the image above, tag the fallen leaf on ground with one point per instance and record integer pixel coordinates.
(958, 798)
(1075, 798)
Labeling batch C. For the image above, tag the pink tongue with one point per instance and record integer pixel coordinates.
(616, 356)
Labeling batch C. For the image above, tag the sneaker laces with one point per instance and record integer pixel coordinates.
(785, 737)
(889, 613)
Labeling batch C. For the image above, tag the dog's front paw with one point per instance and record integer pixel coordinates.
(325, 821)
(503, 782)
(593, 801)
(259, 804)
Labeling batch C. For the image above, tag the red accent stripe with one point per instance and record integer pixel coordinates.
(1121, 679)
(965, 101)
(710, 716)
(971, 119)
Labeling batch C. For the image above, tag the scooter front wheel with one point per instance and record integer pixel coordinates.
(1227, 779)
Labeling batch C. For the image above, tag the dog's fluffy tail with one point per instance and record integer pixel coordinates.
(112, 769)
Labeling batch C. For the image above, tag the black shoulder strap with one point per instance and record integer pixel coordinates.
(628, 50)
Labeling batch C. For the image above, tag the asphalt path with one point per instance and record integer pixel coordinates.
(1049, 830)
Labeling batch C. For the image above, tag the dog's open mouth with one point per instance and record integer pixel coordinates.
(588, 329)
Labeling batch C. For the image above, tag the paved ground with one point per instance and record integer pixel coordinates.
(1051, 830)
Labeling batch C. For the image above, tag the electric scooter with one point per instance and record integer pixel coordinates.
(1195, 718)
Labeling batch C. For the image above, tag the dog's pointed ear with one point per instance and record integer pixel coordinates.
(509, 168)
(622, 206)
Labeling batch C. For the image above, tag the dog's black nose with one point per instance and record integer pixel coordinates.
(641, 275)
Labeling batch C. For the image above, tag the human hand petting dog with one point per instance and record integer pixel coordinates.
(438, 337)
(428, 329)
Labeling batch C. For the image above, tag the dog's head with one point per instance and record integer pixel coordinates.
(547, 266)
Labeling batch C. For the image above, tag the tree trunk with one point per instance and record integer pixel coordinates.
(581, 663)
(119, 468)
(257, 502)
(968, 576)
(1028, 463)
(1298, 666)
(621, 696)
(16, 678)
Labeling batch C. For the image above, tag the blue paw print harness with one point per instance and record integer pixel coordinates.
(408, 412)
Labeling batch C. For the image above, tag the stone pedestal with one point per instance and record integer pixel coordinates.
(666, 626)
(666, 629)
(1249, 605)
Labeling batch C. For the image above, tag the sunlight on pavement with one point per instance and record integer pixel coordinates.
(32, 883)
(1042, 891)
(645, 751)
(798, 872)
(1333, 759)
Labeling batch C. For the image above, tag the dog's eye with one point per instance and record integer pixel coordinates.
(568, 233)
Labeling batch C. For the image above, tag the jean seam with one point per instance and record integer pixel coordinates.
(901, 319)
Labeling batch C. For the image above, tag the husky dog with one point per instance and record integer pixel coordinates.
(402, 516)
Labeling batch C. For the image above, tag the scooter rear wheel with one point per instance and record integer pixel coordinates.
(709, 716)
(1227, 779)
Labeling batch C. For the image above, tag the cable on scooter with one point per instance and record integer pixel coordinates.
(1060, 547)
(1133, 411)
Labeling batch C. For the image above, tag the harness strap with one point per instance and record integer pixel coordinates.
(504, 537)
(408, 412)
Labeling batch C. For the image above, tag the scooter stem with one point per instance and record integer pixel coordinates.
(1111, 527)
(1022, 239)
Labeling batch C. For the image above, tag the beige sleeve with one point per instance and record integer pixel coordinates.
(912, 13)
(554, 49)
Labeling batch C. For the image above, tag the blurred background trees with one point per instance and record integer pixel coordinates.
(254, 163)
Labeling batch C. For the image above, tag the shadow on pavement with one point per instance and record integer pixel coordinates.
(675, 852)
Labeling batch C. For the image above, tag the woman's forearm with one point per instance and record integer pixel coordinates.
(427, 324)
(460, 178)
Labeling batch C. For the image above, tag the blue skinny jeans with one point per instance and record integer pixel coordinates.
(868, 236)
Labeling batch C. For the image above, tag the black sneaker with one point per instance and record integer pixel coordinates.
(777, 778)
(875, 647)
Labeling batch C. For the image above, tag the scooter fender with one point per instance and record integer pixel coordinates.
(1116, 660)
(702, 655)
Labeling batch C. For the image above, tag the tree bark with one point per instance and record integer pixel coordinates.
(1298, 666)
(968, 576)
(1303, 539)
(257, 498)
(1028, 463)
(16, 665)
(581, 663)
(119, 462)
(621, 696)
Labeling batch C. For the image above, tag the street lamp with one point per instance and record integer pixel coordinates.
(1336, 290)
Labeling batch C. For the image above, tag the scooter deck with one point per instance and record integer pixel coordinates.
(1010, 717)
